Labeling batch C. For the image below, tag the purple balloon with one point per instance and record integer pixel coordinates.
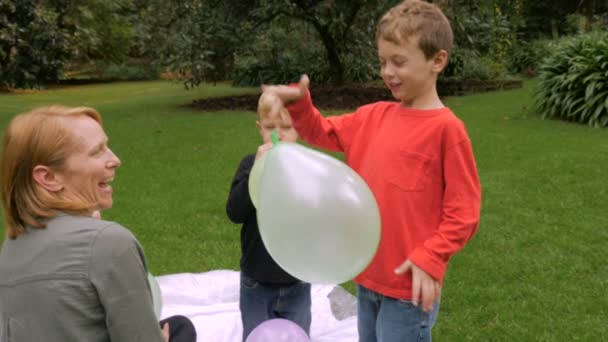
(278, 330)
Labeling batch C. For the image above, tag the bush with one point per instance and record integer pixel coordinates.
(33, 48)
(104, 71)
(361, 67)
(467, 64)
(574, 81)
(287, 68)
(525, 58)
(277, 56)
(127, 71)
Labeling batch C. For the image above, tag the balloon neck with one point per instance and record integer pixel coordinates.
(274, 136)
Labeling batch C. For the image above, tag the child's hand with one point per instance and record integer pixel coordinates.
(96, 214)
(165, 332)
(422, 284)
(263, 149)
(284, 95)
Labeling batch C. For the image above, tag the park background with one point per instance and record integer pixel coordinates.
(528, 78)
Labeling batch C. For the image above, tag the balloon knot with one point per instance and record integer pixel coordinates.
(274, 136)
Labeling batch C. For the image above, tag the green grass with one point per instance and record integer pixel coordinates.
(536, 271)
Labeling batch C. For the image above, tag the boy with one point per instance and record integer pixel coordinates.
(417, 158)
(267, 291)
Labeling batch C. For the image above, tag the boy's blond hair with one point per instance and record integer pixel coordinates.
(39, 137)
(416, 18)
(265, 106)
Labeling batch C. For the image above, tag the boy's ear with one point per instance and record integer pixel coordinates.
(440, 61)
(47, 178)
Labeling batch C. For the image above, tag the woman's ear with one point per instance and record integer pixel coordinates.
(47, 178)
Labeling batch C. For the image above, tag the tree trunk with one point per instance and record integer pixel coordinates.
(333, 57)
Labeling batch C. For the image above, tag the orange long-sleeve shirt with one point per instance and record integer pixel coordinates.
(420, 166)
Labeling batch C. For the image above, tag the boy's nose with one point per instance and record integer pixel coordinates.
(388, 71)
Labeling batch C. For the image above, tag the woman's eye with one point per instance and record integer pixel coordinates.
(95, 152)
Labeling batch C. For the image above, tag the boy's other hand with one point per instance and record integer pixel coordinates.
(263, 149)
(284, 95)
(423, 285)
(165, 332)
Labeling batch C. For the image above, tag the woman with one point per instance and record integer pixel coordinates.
(65, 275)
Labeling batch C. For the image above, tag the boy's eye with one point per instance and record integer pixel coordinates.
(399, 62)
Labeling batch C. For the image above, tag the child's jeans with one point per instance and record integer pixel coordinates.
(260, 302)
(385, 319)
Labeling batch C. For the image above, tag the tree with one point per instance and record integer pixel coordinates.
(38, 38)
(33, 50)
(98, 29)
(341, 25)
(197, 39)
(548, 19)
(203, 36)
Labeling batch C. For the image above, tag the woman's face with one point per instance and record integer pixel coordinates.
(91, 164)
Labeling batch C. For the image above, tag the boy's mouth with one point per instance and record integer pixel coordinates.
(394, 86)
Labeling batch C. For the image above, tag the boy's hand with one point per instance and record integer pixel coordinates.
(284, 95)
(263, 149)
(165, 332)
(96, 214)
(422, 284)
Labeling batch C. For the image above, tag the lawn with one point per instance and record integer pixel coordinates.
(536, 271)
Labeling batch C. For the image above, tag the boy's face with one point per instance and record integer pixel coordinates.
(280, 123)
(405, 70)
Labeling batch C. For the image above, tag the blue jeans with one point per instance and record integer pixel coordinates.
(386, 319)
(260, 302)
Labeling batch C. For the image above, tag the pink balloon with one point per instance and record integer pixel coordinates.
(278, 330)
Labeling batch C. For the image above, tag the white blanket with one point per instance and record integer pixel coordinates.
(211, 301)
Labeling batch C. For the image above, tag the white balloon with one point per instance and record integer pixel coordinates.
(157, 298)
(255, 176)
(317, 217)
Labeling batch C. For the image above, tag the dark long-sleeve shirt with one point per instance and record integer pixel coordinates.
(256, 262)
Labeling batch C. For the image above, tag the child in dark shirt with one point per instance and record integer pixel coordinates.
(266, 290)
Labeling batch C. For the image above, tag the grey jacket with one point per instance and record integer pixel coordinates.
(78, 279)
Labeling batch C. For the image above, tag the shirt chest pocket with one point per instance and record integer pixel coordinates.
(409, 170)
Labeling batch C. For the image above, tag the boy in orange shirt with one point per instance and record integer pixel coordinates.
(417, 159)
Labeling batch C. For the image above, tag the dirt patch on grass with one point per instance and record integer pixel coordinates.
(354, 95)
(324, 97)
